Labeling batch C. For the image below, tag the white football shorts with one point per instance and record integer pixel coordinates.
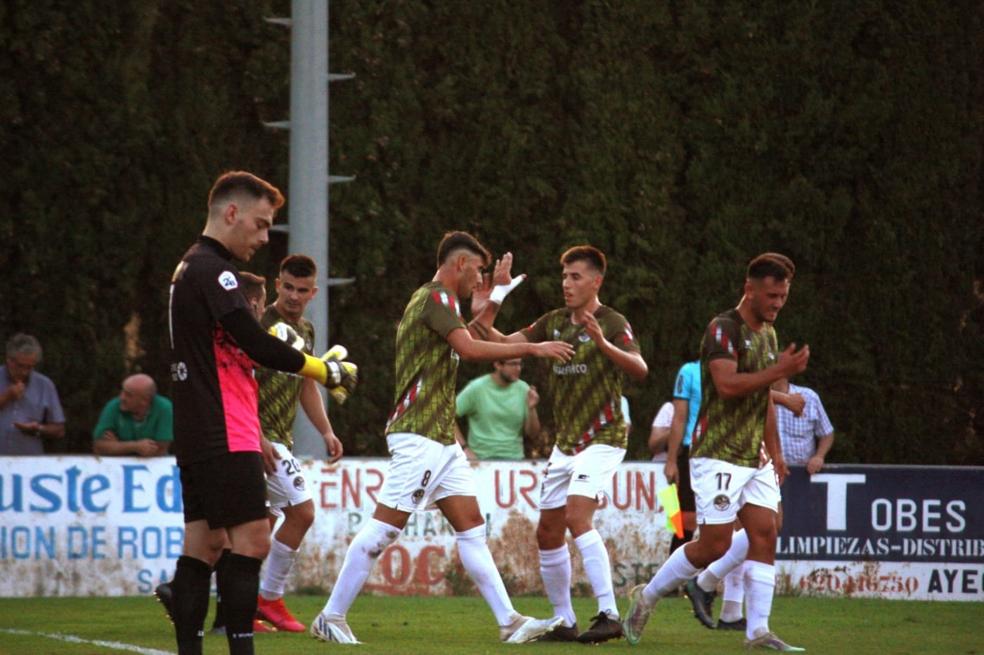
(588, 473)
(422, 471)
(286, 486)
(721, 488)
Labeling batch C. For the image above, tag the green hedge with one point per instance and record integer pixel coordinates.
(682, 139)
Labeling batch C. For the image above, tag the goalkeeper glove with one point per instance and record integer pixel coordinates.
(288, 335)
(342, 376)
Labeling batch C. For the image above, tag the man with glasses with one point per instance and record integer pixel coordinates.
(500, 409)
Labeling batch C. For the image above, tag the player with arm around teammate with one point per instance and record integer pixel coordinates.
(427, 466)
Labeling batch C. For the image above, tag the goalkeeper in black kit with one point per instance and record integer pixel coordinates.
(215, 343)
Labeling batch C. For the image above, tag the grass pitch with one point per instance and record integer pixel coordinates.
(437, 626)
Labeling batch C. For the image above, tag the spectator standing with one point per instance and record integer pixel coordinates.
(138, 422)
(501, 410)
(659, 434)
(806, 437)
(30, 410)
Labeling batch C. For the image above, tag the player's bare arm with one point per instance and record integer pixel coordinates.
(631, 363)
(794, 402)
(732, 384)
(314, 406)
(773, 445)
(475, 350)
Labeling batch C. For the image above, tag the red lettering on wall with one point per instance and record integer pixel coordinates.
(422, 573)
(395, 564)
(646, 491)
(351, 489)
(621, 483)
(532, 482)
(510, 487)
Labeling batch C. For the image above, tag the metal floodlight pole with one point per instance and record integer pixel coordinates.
(308, 232)
(309, 179)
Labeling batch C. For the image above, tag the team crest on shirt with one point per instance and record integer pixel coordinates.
(584, 337)
(228, 281)
(417, 496)
(556, 334)
(299, 482)
(721, 502)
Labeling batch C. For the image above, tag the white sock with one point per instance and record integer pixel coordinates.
(721, 567)
(275, 570)
(555, 570)
(734, 594)
(676, 570)
(598, 567)
(478, 562)
(760, 584)
(366, 547)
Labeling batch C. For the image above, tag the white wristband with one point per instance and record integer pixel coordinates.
(500, 291)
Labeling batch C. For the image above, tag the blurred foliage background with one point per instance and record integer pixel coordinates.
(680, 137)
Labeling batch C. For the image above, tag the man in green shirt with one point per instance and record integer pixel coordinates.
(138, 422)
(500, 408)
(736, 426)
(427, 467)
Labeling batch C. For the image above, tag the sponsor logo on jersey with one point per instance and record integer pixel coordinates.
(570, 369)
(721, 502)
(417, 496)
(299, 482)
(228, 281)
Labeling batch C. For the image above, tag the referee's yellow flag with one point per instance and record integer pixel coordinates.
(671, 503)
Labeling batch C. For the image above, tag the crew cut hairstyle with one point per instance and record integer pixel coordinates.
(461, 240)
(595, 258)
(253, 285)
(299, 266)
(239, 182)
(771, 264)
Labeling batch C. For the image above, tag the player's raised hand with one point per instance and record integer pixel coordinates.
(559, 350)
(794, 361)
(593, 329)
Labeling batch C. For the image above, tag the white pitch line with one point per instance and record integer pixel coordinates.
(72, 639)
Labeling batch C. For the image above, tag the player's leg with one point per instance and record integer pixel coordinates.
(703, 589)
(192, 575)
(591, 474)
(191, 584)
(759, 516)
(551, 538)
(454, 494)
(464, 515)
(414, 459)
(238, 504)
(717, 489)
(289, 494)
